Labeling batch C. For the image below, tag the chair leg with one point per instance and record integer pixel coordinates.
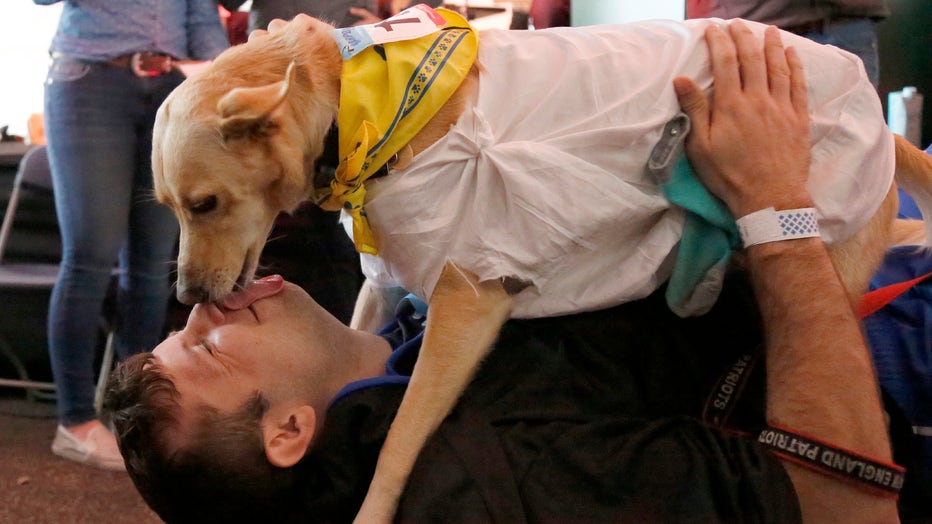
(35, 390)
(106, 365)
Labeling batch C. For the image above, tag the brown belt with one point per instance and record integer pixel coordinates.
(144, 64)
(821, 24)
(812, 26)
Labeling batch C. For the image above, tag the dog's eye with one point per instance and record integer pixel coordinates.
(204, 205)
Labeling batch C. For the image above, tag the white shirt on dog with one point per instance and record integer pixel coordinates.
(543, 179)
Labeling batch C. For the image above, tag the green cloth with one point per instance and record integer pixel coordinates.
(709, 235)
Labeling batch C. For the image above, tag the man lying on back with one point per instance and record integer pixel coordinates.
(265, 408)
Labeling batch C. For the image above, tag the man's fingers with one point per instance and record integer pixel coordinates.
(256, 33)
(798, 94)
(693, 102)
(257, 290)
(778, 70)
(724, 61)
(752, 66)
(364, 15)
(277, 25)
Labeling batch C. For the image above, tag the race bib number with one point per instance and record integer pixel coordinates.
(413, 22)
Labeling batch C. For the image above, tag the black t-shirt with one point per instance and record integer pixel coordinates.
(585, 418)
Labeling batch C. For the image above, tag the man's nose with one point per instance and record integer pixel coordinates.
(205, 316)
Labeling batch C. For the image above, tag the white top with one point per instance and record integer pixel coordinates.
(543, 180)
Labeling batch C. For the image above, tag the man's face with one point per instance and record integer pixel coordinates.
(222, 357)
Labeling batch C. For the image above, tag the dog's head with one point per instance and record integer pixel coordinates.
(235, 145)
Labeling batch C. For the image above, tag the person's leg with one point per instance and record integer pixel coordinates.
(144, 288)
(855, 35)
(90, 144)
(550, 13)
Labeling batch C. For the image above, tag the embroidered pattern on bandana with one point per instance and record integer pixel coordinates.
(390, 91)
(420, 82)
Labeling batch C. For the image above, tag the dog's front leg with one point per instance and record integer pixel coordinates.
(463, 320)
(375, 306)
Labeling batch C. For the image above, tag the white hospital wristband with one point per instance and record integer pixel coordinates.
(769, 225)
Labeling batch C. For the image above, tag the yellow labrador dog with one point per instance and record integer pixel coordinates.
(484, 224)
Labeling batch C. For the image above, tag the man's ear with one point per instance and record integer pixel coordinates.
(287, 434)
(250, 111)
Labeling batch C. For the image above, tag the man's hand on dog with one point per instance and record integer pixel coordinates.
(275, 26)
(750, 143)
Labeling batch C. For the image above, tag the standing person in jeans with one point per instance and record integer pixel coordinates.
(550, 13)
(847, 24)
(262, 12)
(112, 65)
(339, 13)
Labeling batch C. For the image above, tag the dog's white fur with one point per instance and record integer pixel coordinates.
(236, 145)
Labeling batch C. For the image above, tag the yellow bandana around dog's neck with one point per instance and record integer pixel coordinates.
(388, 93)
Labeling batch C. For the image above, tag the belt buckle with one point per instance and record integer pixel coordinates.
(136, 64)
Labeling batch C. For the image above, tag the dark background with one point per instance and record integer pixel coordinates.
(905, 42)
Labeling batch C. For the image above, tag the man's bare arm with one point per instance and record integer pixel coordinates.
(751, 148)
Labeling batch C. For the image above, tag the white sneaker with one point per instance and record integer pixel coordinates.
(99, 449)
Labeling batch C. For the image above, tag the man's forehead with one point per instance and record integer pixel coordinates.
(189, 400)
(172, 368)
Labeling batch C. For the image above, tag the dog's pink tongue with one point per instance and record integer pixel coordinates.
(258, 289)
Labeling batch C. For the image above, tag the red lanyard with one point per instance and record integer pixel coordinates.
(880, 297)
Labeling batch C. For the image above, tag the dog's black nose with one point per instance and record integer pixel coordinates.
(192, 295)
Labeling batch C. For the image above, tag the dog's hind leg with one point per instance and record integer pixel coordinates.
(908, 232)
(914, 175)
(464, 318)
(857, 258)
(375, 306)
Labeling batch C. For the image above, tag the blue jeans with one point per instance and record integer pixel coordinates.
(857, 36)
(98, 122)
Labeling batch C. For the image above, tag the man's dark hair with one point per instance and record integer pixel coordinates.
(218, 473)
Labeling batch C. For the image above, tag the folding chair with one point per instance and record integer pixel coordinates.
(34, 174)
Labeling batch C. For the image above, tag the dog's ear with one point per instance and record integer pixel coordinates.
(247, 112)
